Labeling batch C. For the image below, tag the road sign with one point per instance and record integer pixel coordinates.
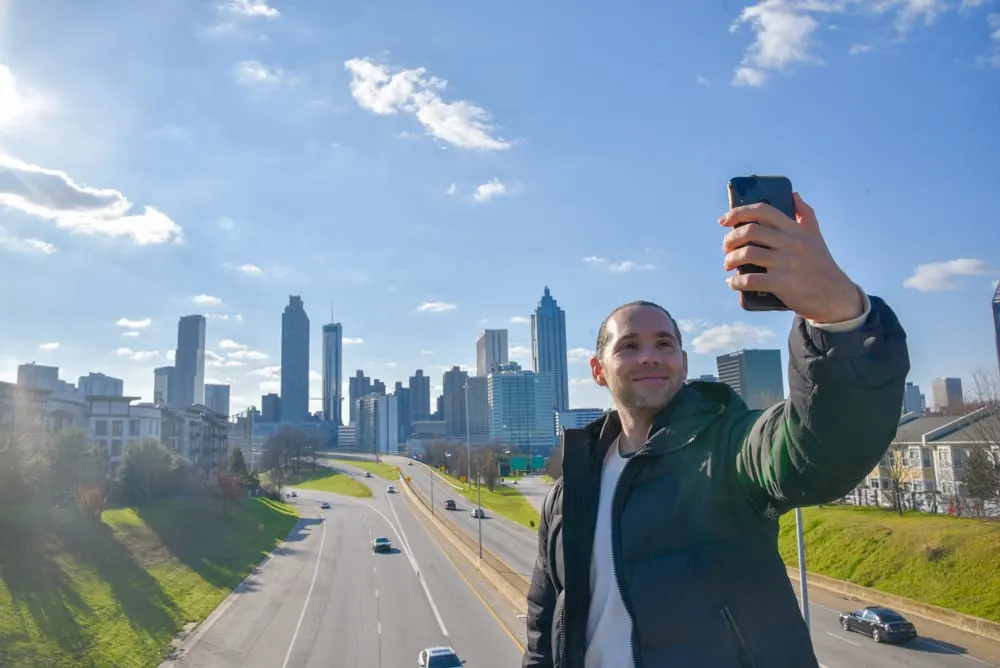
(518, 463)
(537, 462)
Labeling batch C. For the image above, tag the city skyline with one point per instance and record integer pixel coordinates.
(262, 158)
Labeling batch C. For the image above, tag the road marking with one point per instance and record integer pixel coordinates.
(305, 605)
(834, 635)
(380, 628)
(475, 591)
(392, 526)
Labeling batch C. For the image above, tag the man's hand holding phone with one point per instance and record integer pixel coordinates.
(800, 269)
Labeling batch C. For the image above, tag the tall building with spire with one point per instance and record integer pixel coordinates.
(294, 362)
(188, 382)
(333, 371)
(548, 347)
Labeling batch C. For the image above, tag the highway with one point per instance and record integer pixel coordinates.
(516, 546)
(510, 542)
(324, 599)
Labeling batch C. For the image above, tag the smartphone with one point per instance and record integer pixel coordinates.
(776, 191)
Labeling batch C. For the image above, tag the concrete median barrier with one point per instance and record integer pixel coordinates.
(510, 584)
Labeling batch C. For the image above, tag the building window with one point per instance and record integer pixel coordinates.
(117, 428)
(116, 448)
(101, 428)
(133, 427)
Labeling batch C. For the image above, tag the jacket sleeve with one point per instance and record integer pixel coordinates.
(541, 597)
(842, 412)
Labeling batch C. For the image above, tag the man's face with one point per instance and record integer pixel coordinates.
(642, 365)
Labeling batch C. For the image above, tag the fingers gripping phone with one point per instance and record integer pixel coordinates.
(776, 191)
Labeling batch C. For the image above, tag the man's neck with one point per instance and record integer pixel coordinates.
(635, 430)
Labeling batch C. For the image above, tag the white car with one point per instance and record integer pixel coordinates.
(439, 657)
(391, 489)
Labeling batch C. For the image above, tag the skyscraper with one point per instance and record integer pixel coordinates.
(755, 375)
(491, 350)
(996, 319)
(217, 398)
(333, 357)
(294, 362)
(453, 402)
(187, 385)
(420, 396)
(359, 386)
(548, 347)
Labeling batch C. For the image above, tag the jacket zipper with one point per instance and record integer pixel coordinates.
(734, 631)
(561, 625)
(615, 549)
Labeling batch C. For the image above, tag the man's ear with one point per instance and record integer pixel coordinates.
(597, 371)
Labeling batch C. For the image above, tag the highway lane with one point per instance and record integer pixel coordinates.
(324, 599)
(534, 489)
(512, 543)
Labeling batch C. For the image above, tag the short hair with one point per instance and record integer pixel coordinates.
(602, 332)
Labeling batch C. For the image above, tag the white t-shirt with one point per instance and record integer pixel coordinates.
(609, 628)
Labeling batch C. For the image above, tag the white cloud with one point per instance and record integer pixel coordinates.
(206, 300)
(54, 345)
(133, 324)
(51, 195)
(426, 352)
(136, 355)
(31, 245)
(224, 317)
(270, 386)
(993, 59)
(578, 382)
(784, 30)
(691, 326)
(229, 344)
(730, 337)
(131, 334)
(171, 354)
(972, 4)
(315, 375)
(226, 223)
(254, 73)
(391, 364)
(436, 307)
(938, 276)
(267, 372)
(702, 80)
(857, 49)
(519, 320)
(380, 90)
(251, 8)
(487, 191)
(452, 189)
(19, 106)
(621, 267)
(246, 354)
(352, 340)
(519, 352)
(250, 269)
(579, 354)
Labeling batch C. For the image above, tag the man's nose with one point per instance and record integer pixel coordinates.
(649, 355)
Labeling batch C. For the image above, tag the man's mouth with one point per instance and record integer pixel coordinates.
(650, 379)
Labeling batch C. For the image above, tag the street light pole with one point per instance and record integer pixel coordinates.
(430, 474)
(803, 584)
(479, 488)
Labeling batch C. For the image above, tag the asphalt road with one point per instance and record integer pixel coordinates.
(512, 543)
(834, 647)
(324, 599)
(533, 489)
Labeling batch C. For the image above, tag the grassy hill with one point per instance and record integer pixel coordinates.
(116, 593)
(945, 561)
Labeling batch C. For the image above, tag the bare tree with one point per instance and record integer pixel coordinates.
(899, 474)
(982, 467)
(553, 467)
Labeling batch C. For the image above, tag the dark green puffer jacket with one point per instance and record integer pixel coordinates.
(695, 514)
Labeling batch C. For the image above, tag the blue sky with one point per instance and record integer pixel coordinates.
(186, 156)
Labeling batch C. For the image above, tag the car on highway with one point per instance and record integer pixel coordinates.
(368, 474)
(479, 513)
(381, 544)
(880, 624)
(439, 657)
(391, 489)
(293, 495)
(449, 504)
(325, 505)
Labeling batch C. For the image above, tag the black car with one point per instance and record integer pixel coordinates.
(450, 505)
(881, 624)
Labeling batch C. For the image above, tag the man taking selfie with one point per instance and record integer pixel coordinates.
(657, 548)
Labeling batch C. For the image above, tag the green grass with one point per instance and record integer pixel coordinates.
(950, 562)
(116, 593)
(387, 471)
(506, 501)
(330, 481)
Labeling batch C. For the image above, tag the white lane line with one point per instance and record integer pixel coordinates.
(380, 628)
(834, 635)
(305, 605)
(392, 526)
(376, 592)
(420, 575)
